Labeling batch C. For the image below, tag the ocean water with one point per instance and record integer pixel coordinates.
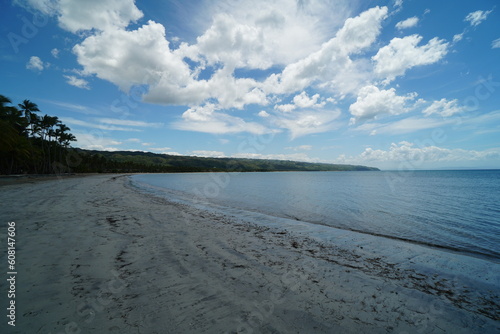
(454, 210)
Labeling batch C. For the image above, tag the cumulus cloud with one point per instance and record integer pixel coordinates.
(120, 56)
(234, 44)
(268, 33)
(373, 102)
(416, 156)
(408, 23)
(333, 57)
(208, 154)
(401, 54)
(35, 64)
(357, 34)
(263, 114)
(76, 16)
(477, 17)
(302, 101)
(55, 53)
(444, 108)
(77, 82)
(162, 150)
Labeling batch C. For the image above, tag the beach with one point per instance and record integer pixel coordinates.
(95, 255)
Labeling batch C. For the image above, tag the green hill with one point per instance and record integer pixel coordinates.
(126, 161)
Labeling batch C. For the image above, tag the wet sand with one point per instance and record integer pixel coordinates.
(94, 255)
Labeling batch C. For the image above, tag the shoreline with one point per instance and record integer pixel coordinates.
(97, 255)
(6, 180)
(151, 190)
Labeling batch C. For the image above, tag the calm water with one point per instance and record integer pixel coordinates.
(458, 210)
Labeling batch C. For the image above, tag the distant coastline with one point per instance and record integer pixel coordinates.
(87, 161)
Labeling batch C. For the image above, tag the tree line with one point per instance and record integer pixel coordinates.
(30, 142)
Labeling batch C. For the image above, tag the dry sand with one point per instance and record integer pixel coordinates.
(94, 255)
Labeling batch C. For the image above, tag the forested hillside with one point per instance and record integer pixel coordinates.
(125, 161)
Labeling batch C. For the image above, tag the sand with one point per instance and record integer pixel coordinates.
(94, 255)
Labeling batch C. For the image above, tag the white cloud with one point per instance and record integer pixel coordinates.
(263, 114)
(163, 150)
(495, 44)
(208, 154)
(417, 156)
(458, 37)
(76, 16)
(357, 34)
(372, 102)
(119, 56)
(285, 107)
(404, 53)
(258, 35)
(304, 101)
(234, 44)
(408, 23)
(444, 108)
(35, 64)
(55, 53)
(301, 101)
(361, 31)
(77, 82)
(477, 17)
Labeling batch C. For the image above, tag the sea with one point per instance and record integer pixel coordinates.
(455, 210)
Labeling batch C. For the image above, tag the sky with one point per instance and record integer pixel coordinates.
(395, 84)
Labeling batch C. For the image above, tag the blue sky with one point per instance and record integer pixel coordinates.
(401, 84)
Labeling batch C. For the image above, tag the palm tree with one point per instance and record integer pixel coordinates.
(13, 146)
(29, 108)
(47, 124)
(3, 101)
(28, 142)
(11, 114)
